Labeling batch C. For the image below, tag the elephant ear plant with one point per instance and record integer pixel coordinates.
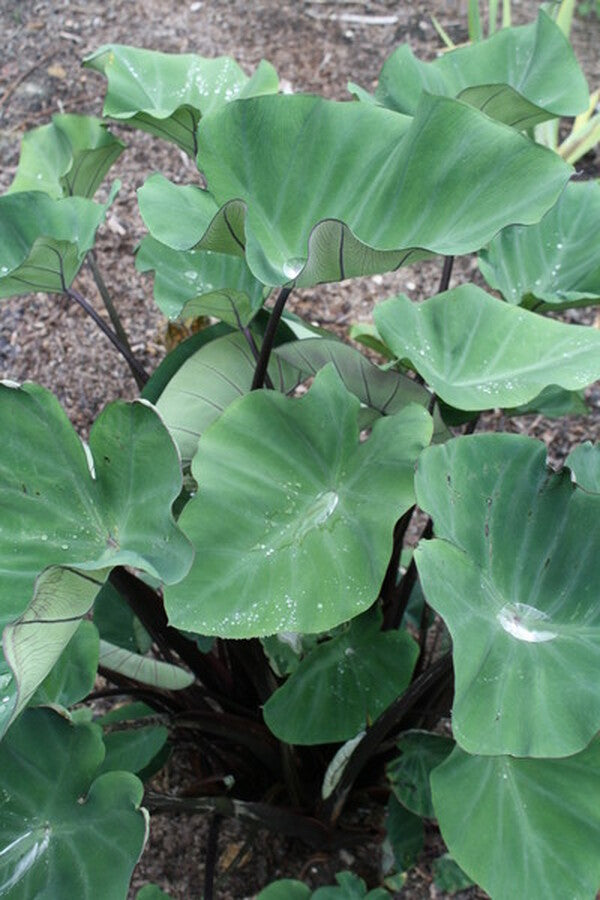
(230, 553)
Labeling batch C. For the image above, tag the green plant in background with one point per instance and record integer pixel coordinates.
(230, 551)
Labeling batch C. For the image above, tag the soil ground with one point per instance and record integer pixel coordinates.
(315, 46)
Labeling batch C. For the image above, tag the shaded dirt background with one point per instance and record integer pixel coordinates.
(315, 47)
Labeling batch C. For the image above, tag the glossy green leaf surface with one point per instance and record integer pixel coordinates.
(343, 684)
(200, 283)
(584, 463)
(32, 645)
(56, 813)
(68, 157)
(167, 93)
(73, 675)
(212, 378)
(523, 827)
(326, 204)
(519, 601)
(520, 76)
(62, 508)
(43, 241)
(116, 622)
(132, 750)
(555, 263)
(408, 774)
(477, 352)
(293, 518)
(144, 669)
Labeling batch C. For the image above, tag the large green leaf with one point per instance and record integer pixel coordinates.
(555, 263)
(324, 203)
(293, 519)
(409, 773)
(343, 684)
(43, 241)
(200, 283)
(167, 93)
(134, 749)
(477, 352)
(32, 645)
(63, 507)
(514, 573)
(56, 814)
(208, 382)
(523, 827)
(520, 76)
(70, 156)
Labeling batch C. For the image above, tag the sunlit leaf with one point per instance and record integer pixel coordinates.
(520, 602)
(555, 263)
(325, 204)
(68, 157)
(293, 519)
(477, 352)
(167, 93)
(520, 76)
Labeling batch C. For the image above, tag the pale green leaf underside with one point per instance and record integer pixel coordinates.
(523, 827)
(200, 283)
(68, 157)
(584, 463)
(555, 263)
(293, 519)
(208, 382)
(144, 669)
(477, 352)
(520, 602)
(326, 204)
(520, 76)
(73, 675)
(167, 93)
(33, 644)
(56, 814)
(54, 512)
(43, 241)
(408, 774)
(342, 685)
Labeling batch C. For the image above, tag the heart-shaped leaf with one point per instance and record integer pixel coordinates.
(200, 283)
(523, 827)
(56, 813)
(409, 773)
(555, 263)
(61, 508)
(167, 93)
(324, 204)
(478, 352)
(68, 157)
(520, 76)
(519, 601)
(293, 519)
(43, 242)
(208, 382)
(343, 684)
